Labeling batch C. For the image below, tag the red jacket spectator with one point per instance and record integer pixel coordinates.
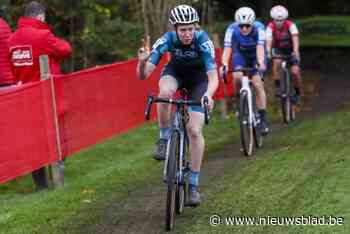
(32, 39)
(6, 76)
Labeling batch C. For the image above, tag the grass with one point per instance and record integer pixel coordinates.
(104, 172)
(325, 31)
(91, 177)
(301, 171)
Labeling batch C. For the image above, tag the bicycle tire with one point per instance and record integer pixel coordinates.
(246, 128)
(258, 139)
(293, 106)
(171, 180)
(292, 113)
(286, 104)
(181, 188)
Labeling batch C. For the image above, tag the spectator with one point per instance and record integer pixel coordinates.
(33, 38)
(6, 76)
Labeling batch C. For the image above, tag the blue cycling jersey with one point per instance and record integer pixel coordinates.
(200, 54)
(245, 44)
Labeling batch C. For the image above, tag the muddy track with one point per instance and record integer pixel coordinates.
(143, 211)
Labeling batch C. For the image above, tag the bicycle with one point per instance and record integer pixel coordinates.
(177, 165)
(248, 116)
(286, 90)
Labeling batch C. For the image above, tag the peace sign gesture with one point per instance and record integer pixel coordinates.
(144, 51)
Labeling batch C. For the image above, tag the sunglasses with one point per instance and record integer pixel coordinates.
(244, 25)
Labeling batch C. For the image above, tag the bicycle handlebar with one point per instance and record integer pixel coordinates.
(151, 99)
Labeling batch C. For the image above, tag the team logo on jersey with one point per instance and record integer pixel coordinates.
(21, 56)
(208, 46)
(185, 54)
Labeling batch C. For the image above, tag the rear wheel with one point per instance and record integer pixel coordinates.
(172, 166)
(246, 128)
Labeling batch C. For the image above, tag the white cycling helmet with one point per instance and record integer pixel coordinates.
(183, 14)
(279, 12)
(245, 15)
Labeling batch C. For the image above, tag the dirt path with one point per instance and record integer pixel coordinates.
(143, 211)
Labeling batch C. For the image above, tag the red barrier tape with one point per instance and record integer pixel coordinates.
(98, 103)
(93, 104)
(27, 130)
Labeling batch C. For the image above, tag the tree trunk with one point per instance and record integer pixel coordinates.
(145, 17)
(155, 14)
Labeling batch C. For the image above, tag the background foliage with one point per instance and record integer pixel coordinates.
(105, 31)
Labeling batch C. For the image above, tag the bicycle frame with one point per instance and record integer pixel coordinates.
(288, 112)
(178, 124)
(248, 118)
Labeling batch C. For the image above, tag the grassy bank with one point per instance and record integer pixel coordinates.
(325, 31)
(302, 171)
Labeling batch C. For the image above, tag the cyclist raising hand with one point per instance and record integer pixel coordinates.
(283, 39)
(192, 66)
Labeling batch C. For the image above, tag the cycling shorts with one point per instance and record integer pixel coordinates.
(240, 60)
(286, 52)
(194, 81)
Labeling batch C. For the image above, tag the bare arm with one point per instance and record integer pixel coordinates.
(213, 82)
(269, 48)
(260, 54)
(295, 40)
(144, 69)
(269, 40)
(226, 56)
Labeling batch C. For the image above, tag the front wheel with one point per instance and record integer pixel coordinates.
(258, 139)
(286, 109)
(246, 127)
(286, 104)
(172, 165)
